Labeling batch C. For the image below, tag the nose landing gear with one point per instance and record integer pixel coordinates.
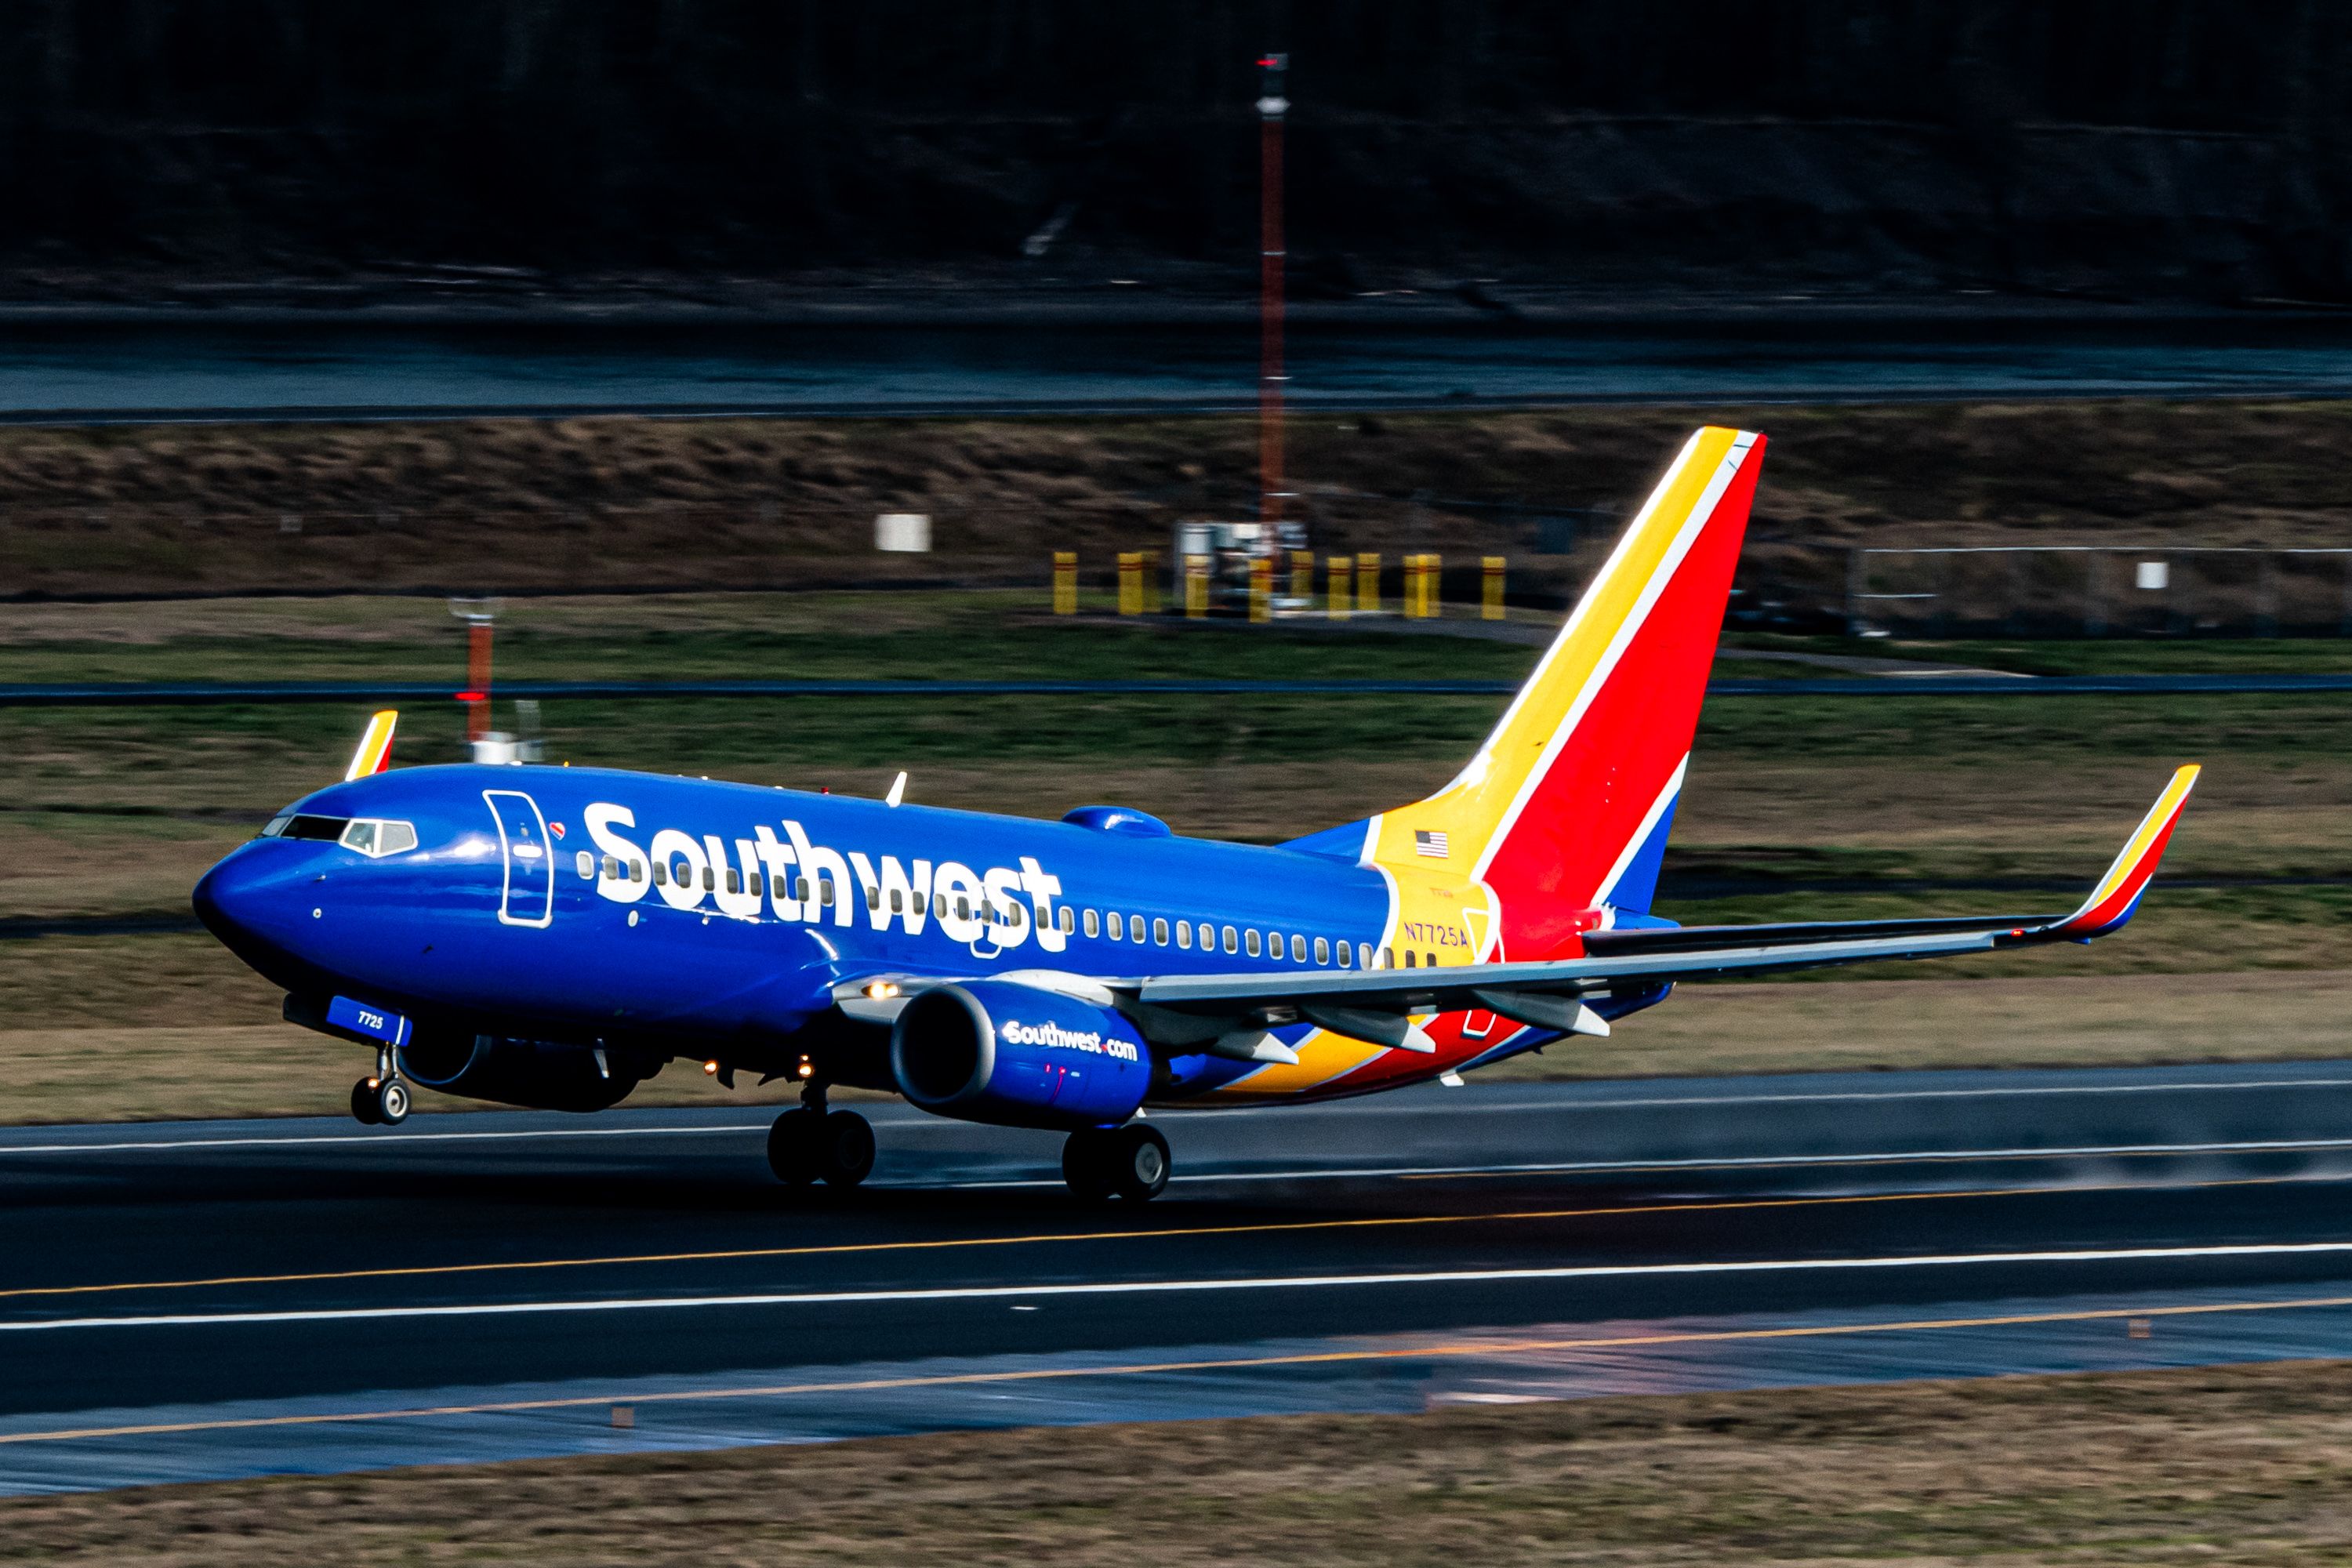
(814, 1144)
(1130, 1162)
(381, 1101)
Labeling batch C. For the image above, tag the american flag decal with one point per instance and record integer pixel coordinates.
(1430, 842)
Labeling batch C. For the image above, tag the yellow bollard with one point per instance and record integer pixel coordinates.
(1409, 589)
(1433, 586)
(1490, 608)
(1066, 582)
(1340, 566)
(1368, 581)
(1261, 589)
(1131, 582)
(1196, 586)
(1302, 575)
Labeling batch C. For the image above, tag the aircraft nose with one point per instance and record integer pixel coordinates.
(235, 899)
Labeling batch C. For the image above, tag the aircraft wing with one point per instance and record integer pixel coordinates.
(1377, 1004)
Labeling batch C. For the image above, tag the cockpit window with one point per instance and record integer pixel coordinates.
(376, 837)
(305, 827)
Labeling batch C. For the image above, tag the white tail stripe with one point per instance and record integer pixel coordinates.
(1693, 526)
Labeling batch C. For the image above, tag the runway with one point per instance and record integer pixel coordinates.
(195, 1300)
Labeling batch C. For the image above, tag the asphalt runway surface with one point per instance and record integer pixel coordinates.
(200, 1299)
(337, 369)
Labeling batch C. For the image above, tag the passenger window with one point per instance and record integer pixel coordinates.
(1346, 956)
(873, 897)
(824, 893)
(1251, 943)
(709, 879)
(587, 866)
(1184, 934)
(1297, 949)
(963, 909)
(1429, 961)
(1069, 920)
(922, 901)
(759, 884)
(1094, 924)
(1160, 932)
(1388, 960)
(1232, 940)
(734, 880)
(1408, 958)
(1322, 952)
(661, 875)
(1134, 928)
(636, 870)
(1014, 915)
(896, 899)
(1117, 926)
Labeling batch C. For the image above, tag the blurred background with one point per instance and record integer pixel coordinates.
(728, 343)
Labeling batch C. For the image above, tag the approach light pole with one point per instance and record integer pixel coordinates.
(1271, 108)
(477, 614)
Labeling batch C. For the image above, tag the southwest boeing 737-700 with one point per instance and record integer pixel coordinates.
(550, 937)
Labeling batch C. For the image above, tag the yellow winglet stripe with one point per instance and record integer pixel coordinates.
(2132, 866)
(375, 748)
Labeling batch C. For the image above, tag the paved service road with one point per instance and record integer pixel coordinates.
(347, 1270)
(334, 368)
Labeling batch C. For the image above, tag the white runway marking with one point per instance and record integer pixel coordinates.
(1174, 1287)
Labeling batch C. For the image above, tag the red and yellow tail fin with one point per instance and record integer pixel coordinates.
(1567, 805)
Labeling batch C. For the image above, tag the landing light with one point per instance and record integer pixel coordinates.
(882, 989)
(711, 1068)
(807, 1071)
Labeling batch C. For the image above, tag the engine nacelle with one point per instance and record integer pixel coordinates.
(992, 1050)
(538, 1073)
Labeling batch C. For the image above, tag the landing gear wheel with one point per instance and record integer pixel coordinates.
(1085, 1165)
(793, 1147)
(363, 1103)
(390, 1102)
(1136, 1163)
(848, 1149)
(1130, 1162)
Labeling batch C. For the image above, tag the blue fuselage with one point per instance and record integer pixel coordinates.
(712, 920)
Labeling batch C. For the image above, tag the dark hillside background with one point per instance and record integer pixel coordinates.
(2142, 150)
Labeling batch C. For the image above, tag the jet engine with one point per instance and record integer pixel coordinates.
(538, 1073)
(997, 1051)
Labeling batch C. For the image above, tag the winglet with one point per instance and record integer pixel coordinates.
(375, 747)
(2118, 895)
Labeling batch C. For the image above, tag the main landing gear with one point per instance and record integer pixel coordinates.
(381, 1101)
(1130, 1162)
(814, 1144)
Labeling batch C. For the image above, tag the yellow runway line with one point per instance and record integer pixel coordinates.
(1429, 1349)
(433, 1270)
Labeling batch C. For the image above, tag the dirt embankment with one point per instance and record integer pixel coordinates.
(517, 505)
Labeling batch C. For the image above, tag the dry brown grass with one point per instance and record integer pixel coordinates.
(218, 1050)
(631, 502)
(2244, 1465)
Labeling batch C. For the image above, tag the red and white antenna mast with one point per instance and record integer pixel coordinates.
(1271, 108)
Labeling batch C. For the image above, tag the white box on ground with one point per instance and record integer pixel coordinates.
(903, 530)
(2152, 576)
